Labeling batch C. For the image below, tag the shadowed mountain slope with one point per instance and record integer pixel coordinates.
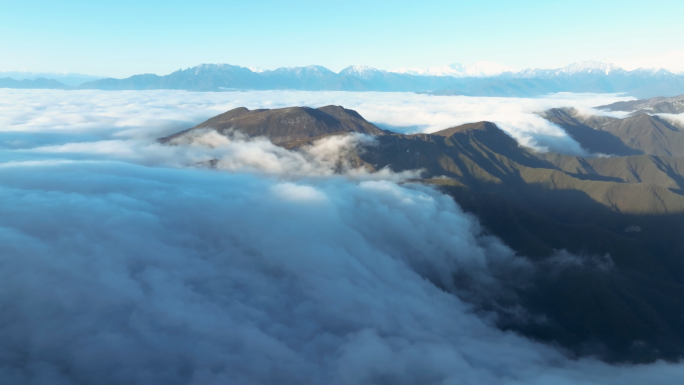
(619, 295)
(638, 134)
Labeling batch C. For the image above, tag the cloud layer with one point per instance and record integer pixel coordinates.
(124, 263)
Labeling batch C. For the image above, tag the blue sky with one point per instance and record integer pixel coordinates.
(121, 38)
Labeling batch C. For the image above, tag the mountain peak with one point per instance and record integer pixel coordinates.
(589, 66)
(477, 126)
(360, 71)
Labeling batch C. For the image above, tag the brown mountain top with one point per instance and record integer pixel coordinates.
(287, 124)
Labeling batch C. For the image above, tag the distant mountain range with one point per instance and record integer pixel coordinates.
(621, 216)
(68, 79)
(480, 79)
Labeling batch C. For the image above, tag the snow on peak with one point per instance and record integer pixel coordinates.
(588, 66)
(360, 71)
(477, 69)
(255, 69)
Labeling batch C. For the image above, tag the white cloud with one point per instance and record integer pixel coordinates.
(298, 193)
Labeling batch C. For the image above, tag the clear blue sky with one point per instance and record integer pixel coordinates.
(124, 37)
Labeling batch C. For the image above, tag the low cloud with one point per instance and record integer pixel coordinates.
(123, 262)
(235, 152)
(676, 119)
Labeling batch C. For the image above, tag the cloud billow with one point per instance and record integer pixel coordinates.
(175, 276)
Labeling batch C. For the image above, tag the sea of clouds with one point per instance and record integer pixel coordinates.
(123, 262)
(151, 114)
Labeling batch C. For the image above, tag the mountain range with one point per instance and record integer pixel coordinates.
(67, 79)
(603, 233)
(476, 80)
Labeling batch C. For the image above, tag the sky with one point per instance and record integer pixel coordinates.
(126, 37)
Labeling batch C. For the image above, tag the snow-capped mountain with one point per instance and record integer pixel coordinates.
(477, 69)
(360, 71)
(581, 67)
(478, 79)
